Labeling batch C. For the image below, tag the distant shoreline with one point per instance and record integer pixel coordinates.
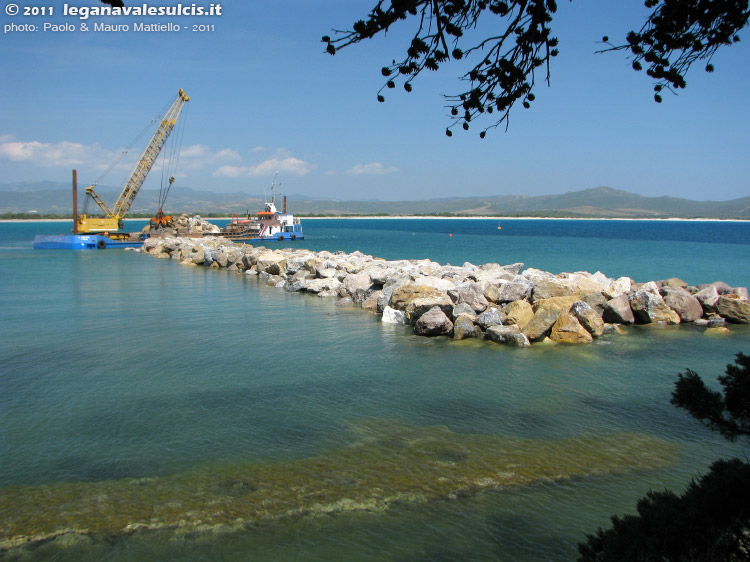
(428, 217)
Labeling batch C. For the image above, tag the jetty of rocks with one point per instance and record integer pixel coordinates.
(502, 303)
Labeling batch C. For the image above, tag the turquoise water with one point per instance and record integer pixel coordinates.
(117, 366)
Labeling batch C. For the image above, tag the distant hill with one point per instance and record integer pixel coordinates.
(605, 202)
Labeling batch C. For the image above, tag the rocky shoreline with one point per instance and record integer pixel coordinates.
(502, 303)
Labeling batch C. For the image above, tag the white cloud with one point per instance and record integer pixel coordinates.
(199, 156)
(374, 168)
(51, 155)
(231, 171)
(67, 154)
(282, 162)
(288, 165)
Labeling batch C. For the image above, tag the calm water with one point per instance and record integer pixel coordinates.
(117, 366)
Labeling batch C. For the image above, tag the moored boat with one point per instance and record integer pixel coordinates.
(268, 224)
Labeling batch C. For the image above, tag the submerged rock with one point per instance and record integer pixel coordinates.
(386, 464)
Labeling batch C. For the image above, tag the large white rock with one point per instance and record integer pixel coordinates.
(393, 316)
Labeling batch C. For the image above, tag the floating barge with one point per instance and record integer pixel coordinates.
(88, 241)
(100, 232)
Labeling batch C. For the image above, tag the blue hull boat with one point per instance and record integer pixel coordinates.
(82, 242)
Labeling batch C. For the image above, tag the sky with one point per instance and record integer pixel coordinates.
(266, 98)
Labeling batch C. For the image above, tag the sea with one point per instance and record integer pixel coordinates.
(153, 411)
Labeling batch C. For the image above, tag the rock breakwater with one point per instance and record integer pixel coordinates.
(501, 303)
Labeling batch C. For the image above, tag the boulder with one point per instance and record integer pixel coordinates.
(393, 316)
(621, 286)
(380, 274)
(540, 324)
(514, 268)
(417, 307)
(588, 318)
(546, 288)
(501, 334)
(507, 334)
(297, 263)
(721, 287)
(682, 302)
(650, 287)
(492, 292)
(518, 289)
(271, 262)
(434, 322)
(734, 308)
(595, 300)
(198, 256)
(465, 309)
(370, 302)
(490, 317)
(519, 313)
(618, 311)
(464, 327)
(582, 282)
(438, 283)
(321, 285)
(648, 307)
(567, 329)
(557, 304)
(404, 294)
(674, 282)
(473, 295)
(708, 297)
(356, 282)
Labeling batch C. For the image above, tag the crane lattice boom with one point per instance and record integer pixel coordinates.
(113, 217)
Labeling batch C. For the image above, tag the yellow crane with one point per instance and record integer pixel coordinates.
(112, 219)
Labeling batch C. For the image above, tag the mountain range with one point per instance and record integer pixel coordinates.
(604, 202)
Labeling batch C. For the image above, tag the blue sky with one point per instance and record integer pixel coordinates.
(266, 98)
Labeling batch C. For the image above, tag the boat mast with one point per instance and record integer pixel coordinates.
(273, 188)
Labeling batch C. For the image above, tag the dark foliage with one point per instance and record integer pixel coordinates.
(729, 414)
(711, 521)
(679, 33)
(676, 34)
(706, 523)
